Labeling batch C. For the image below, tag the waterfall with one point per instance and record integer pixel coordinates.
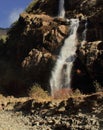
(61, 75)
(61, 13)
(85, 31)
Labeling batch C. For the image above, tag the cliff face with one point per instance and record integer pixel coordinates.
(34, 43)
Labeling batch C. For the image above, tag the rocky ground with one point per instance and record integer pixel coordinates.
(75, 113)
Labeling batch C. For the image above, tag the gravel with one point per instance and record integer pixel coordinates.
(10, 120)
(13, 121)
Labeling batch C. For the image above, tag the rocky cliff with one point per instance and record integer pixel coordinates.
(34, 43)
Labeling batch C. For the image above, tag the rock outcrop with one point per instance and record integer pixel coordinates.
(34, 43)
(37, 66)
(88, 67)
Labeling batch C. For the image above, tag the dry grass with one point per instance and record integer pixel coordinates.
(36, 92)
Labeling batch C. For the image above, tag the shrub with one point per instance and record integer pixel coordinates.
(37, 92)
(63, 93)
(97, 86)
(32, 4)
(77, 93)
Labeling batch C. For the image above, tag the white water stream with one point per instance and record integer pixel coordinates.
(61, 12)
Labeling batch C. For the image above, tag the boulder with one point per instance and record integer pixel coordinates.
(37, 67)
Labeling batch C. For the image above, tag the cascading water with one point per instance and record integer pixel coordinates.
(85, 32)
(61, 13)
(61, 75)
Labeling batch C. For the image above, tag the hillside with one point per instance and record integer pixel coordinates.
(3, 31)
